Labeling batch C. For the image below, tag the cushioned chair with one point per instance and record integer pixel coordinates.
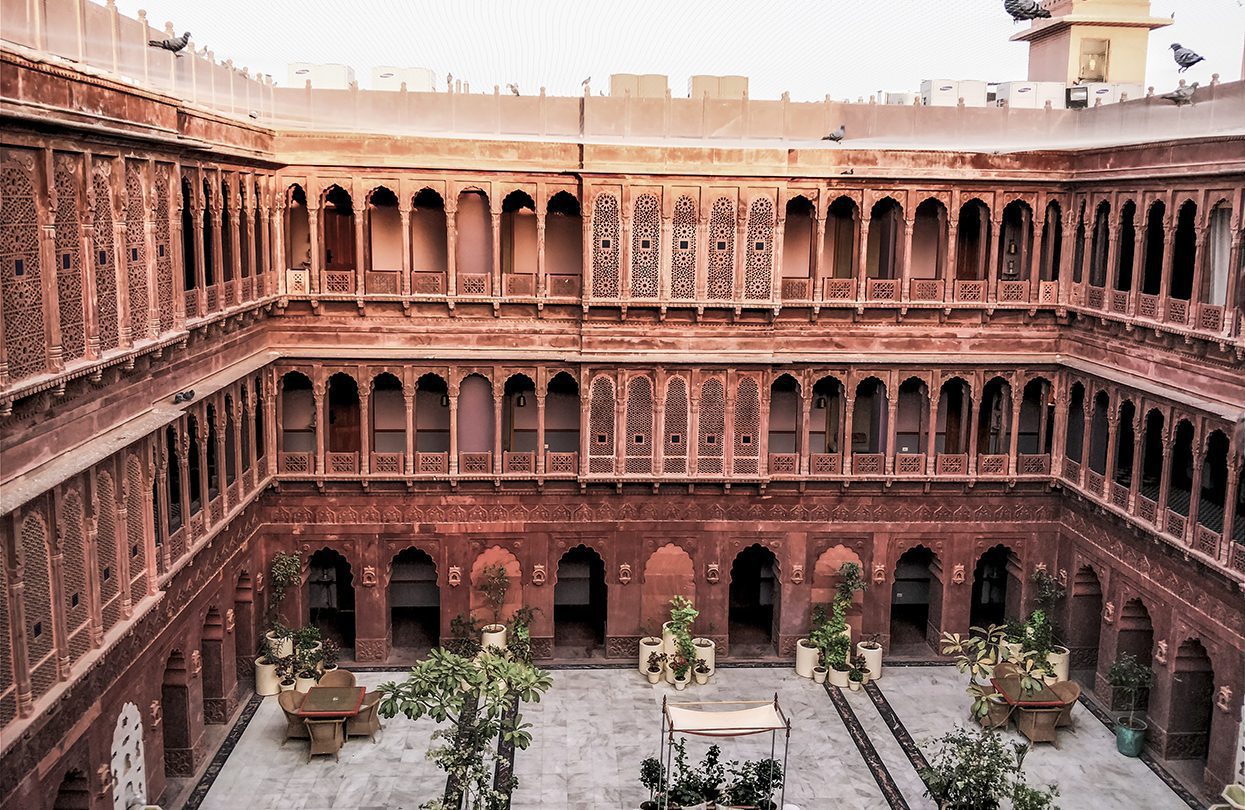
(1038, 725)
(289, 703)
(1068, 692)
(367, 722)
(326, 737)
(336, 677)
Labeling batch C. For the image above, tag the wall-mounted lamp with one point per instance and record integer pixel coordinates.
(1011, 247)
(445, 400)
(819, 403)
(521, 401)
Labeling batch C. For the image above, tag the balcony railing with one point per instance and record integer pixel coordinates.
(1147, 509)
(1033, 464)
(339, 282)
(518, 462)
(797, 289)
(1072, 470)
(1206, 540)
(1013, 292)
(1095, 297)
(427, 283)
(825, 463)
(868, 464)
(1178, 311)
(882, 289)
(296, 281)
(1119, 302)
(926, 289)
(951, 464)
(564, 463)
(473, 284)
(342, 463)
(784, 464)
(564, 286)
(970, 290)
(1119, 495)
(475, 463)
(382, 282)
(297, 463)
(838, 289)
(432, 463)
(991, 464)
(1175, 524)
(1094, 482)
(387, 463)
(910, 464)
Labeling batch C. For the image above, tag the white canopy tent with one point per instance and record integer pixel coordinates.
(724, 718)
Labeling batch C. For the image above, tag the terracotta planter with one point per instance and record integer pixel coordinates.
(806, 657)
(653, 675)
(648, 645)
(281, 648)
(873, 659)
(819, 674)
(837, 677)
(707, 651)
(493, 635)
(266, 680)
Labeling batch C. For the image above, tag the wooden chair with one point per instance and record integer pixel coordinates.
(1006, 669)
(289, 703)
(1038, 725)
(326, 737)
(367, 722)
(1068, 692)
(998, 716)
(337, 677)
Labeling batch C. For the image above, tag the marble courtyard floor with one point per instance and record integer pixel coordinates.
(851, 750)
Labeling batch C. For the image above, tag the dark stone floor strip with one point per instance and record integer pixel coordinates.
(205, 782)
(1177, 787)
(898, 730)
(886, 783)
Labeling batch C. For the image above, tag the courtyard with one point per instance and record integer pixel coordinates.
(852, 750)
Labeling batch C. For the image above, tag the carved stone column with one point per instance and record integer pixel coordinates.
(702, 254)
(365, 430)
(892, 411)
(451, 249)
(992, 258)
(953, 244)
(404, 215)
(1113, 437)
(806, 404)
(361, 252)
(931, 427)
(846, 420)
(1063, 403)
(317, 246)
(541, 449)
(409, 392)
(1165, 483)
(45, 205)
(1195, 494)
(453, 394)
(862, 264)
(60, 632)
(541, 281)
(1229, 506)
(1169, 254)
(319, 420)
(906, 273)
(21, 659)
(693, 429)
(818, 273)
(1013, 453)
(1134, 479)
(499, 399)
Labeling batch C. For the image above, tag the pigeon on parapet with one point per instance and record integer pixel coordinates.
(1025, 10)
(175, 45)
(1182, 95)
(513, 88)
(837, 135)
(1184, 57)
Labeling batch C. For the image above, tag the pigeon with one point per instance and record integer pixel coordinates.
(174, 45)
(1182, 95)
(1024, 10)
(837, 135)
(585, 82)
(184, 396)
(253, 114)
(1184, 57)
(513, 88)
(449, 80)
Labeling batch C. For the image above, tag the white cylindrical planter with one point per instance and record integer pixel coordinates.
(493, 635)
(281, 648)
(266, 680)
(648, 646)
(1060, 658)
(819, 674)
(288, 686)
(837, 677)
(680, 683)
(806, 657)
(302, 684)
(873, 659)
(706, 650)
(667, 639)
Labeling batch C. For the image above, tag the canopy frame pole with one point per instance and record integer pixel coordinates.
(786, 749)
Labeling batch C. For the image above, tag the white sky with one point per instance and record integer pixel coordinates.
(810, 48)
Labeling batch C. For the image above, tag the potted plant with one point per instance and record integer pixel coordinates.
(328, 655)
(978, 654)
(280, 640)
(286, 570)
(701, 671)
(871, 648)
(806, 657)
(977, 770)
(706, 651)
(752, 783)
(682, 614)
(656, 660)
(494, 583)
(653, 777)
(680, 668)
(1038, 643)
(837, 666)
(267, 682)
(305, 672)
(285, 671)
(1013, 638)
(648, 646)
(857, 675)
(1128, 677)
(819, 674)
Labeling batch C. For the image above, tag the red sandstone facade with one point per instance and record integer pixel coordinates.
(692, 362)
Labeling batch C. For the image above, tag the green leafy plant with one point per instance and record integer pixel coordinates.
(286, 570)
(307, 637)
(519, 637)
(753, 783)
(305, 661)
(978, 654)
(872, 641)
(851, 581)
(702, 666)
(329, 653)
(1128, 678)
(1038, 642)
(682, 615)
(656, 661)
(859, 669)
(829, 634)
(976, 769)
(464, 635)
(1015, 630)
(478, 697)
(494, 584)
(653, 775)
(1049, 590)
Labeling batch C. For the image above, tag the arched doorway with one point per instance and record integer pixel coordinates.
(1084, 626)
(1192, 709)
(414, 605)
(244, 627)
(175, 706)
(1135, 637)
(996, 587)
(668, 573)
(330, 597)
(210, 648)
(916, 601)
(753, 606)
(579, 604)
(74, 792)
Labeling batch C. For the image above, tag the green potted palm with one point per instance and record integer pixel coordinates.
(1128, 677)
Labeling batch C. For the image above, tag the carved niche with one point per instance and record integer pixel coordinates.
(454, 576)
(1108, 612)
(369, 579)
(624, 574)
(539, 574)
(713, 574)
(958, 574)
(797, 574)
(879, 573)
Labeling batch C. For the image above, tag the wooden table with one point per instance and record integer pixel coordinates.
(1012, 692)
(331, 702)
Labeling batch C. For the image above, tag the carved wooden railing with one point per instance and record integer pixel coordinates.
(1071, 470)
(970, 290)
(1175, 524)
(990, 464)
(388, 463)
(1210, 318)
(882, 289)
(296, 281)
(1206, 540)
(427, 283)
(951, 464)
(909, 464)
(563, 286)
(473, 284)
(1119, 495)
(838, 289)
(513, 462)
(563, 463)
(1177, 311)
(520, 284)
(339, 282)
(1094, 482)
(475, 463)
(825, 463)
(1119, 302)
(382, 282)
(797, 289)
(1095, 297)
(1148, 306)
(1147, 509)
(868, 463)
(432, 463)
(925, 289)
(1033, 464)
(342, 463)
(1013, 292)
(297, 463)
(1048, 292)
(784, 463)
